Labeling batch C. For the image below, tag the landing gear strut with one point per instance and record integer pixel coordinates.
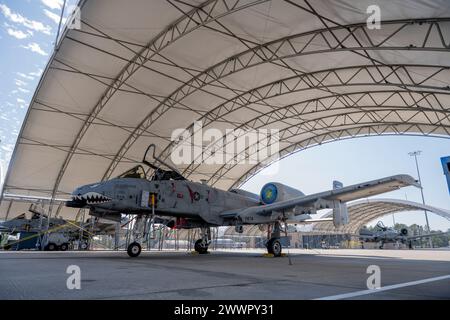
(273, 244)
(201, 245)
(139, 232)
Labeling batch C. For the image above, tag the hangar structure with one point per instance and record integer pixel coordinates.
(361, 212)
(137, 70)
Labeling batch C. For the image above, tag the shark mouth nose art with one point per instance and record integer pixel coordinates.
(92, 198)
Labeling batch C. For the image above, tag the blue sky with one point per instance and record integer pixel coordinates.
(27, 34)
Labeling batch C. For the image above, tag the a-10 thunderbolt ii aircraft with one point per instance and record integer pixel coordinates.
(384, 235)
(167, 194)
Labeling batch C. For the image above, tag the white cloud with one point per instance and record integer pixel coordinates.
(17, 34)
(54, 17)
(19, 19)
(23, 90)
(36, 73)
(53, 4)
(20, 83)
(23, 75)
(19, 100)
(34, 47)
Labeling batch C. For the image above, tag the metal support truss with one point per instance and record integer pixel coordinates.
(418, 77)
(205, 13)
(329, 40)
(363, 211)
(336, 135)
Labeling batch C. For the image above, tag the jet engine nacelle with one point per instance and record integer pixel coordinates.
(275, 192)
(404, 232)
(340, 214)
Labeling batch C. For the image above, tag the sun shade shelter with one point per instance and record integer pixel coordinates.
(361, 212)
(137, 70)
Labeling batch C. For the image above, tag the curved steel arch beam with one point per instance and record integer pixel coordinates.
(172, 33)
(316, 80)
(279, 114)
(357, 213)
(269, 52)
(342, 134)
(355, 125)
(389, 206)
(367, 111)
(377, 211)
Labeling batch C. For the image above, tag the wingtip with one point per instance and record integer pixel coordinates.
(409, 181)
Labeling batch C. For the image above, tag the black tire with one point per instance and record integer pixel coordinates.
(274, 247)
(84, 246)
(134, 249)
(64, 247)
(269, 246)
(199, 247)
(51, 247)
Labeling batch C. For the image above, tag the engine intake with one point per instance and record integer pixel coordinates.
(275, 192)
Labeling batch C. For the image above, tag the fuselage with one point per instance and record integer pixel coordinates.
(176, 198)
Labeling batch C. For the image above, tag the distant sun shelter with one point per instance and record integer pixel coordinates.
(137, 70)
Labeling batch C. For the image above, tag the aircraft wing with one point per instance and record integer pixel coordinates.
(344, 194)
(427, 235)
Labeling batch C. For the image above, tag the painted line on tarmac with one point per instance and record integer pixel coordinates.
(386, 288)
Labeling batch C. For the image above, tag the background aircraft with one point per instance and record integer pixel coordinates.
(384, 235)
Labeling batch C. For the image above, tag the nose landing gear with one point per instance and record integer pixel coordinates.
(134, 249)
(139, 231)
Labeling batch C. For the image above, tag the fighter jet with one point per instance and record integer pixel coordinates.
(22, 224)
(384, 235)
(167, 194)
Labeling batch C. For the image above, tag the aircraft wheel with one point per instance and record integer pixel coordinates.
(199, 247)
(51, 247)
(274, 247)
(63, 247)
(134, 249)
(269, 246)
(84, 246)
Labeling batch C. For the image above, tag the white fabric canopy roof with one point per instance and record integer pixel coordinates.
(139, 69)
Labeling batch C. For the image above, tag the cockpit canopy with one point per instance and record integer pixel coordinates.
(138, 172)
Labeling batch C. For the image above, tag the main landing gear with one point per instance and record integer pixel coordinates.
(274, 247)
(273, 243)
(201, 245)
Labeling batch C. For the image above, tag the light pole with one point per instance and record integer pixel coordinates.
(415, 154)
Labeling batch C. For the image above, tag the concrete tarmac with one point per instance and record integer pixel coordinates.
(226, 274)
